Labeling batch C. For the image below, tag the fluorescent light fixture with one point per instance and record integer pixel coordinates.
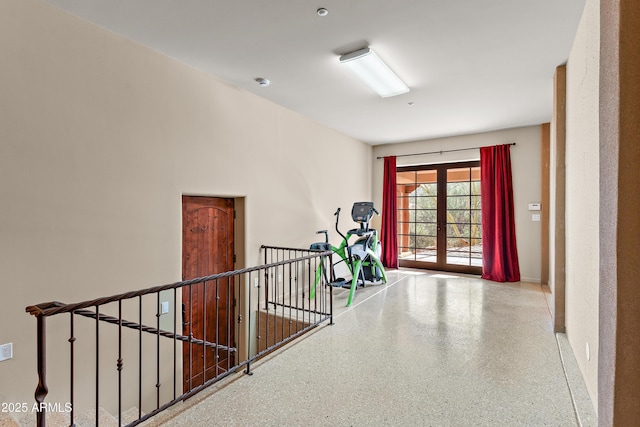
(374, 72)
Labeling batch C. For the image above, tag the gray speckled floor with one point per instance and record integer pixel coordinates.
(424, 350)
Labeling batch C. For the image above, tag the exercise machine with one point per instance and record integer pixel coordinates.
(362, 257)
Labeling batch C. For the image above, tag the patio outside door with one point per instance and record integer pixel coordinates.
(439, 217)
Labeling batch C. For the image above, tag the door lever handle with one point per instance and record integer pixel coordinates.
(184, 317)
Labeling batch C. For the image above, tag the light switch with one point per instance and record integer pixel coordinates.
(535, 217)
(534, 206)
(164, 307)
(6, 351)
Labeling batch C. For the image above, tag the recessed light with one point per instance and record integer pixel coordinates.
(263, 82)
(322, 11)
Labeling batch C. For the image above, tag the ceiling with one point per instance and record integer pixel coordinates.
(472, 65)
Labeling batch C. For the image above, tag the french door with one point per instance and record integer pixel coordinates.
(439, 217)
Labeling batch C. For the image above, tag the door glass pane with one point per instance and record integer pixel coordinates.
(458, 202)
(417, 193)
(476, 218)
(464, 232)
(459, 188)
(459, 215)
(427, 215)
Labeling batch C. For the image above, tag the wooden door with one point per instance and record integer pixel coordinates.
(207, 248)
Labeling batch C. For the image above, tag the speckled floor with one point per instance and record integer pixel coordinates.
(425, 349)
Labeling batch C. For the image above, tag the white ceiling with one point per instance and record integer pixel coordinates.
(472, 65)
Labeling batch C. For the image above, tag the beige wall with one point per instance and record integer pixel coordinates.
(525, 161)
(99, 138)
(582, 196)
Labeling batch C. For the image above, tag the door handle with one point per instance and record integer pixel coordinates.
(184, 317)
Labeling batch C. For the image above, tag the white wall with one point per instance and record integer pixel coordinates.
(525, 162)
(99, 139)
(582, 195)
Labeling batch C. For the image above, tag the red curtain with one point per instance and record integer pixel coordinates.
(389, 233)
(499, 252)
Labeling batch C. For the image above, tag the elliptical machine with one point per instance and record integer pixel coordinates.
(362, 257)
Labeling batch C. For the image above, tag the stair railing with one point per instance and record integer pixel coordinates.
(262, 321)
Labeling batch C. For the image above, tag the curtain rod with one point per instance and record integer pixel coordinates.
(439, 152)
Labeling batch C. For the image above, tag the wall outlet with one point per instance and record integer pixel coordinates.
(164, 307)
(588, 350)
(6, 351)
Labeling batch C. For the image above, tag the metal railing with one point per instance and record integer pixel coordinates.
(226, 321)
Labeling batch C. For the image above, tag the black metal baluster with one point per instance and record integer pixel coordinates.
(175, 322)
(139, 356)
(325, 304)
(276, 285)
(332, 279)
(267, 315)
(291, 294)
(249, 356)
(97, 365)
(266, 282)
(317, 302)
(281, 256)
(190, 337)
(273, 295)
(284, 295)
(158, 350)
(284, 298)
(72, 340)
(301, 292)
(310, 277)
(313, 265)
(298, 300)
(204, 332)
(293, 272)
(231, 298)
(41, 389)
(119, 364)
(216, 337)
(300, 273)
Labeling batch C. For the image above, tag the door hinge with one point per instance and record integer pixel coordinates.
(234, 214)
(234, 258)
